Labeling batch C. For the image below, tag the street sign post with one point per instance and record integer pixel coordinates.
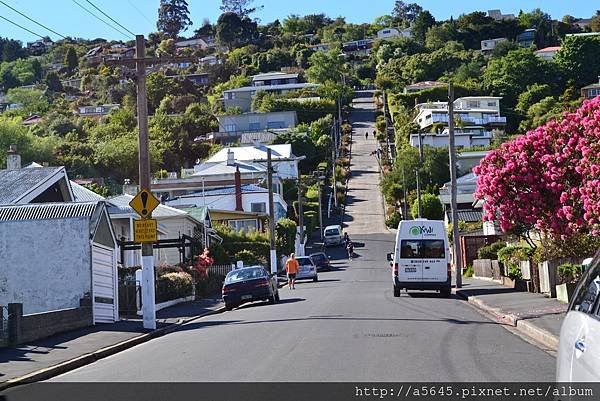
(144, 231)
(144, 203)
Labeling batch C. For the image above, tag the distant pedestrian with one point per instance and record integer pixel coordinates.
(292, 267)
(350, 249)
(367, 135)
(374, 134)
(346, 239)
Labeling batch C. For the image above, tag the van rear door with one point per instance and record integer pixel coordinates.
(410, 267)
(433, 252)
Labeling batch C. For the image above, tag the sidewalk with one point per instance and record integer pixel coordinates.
(66, 351)
(532, 314)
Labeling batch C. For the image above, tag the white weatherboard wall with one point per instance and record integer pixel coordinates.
(45, 264)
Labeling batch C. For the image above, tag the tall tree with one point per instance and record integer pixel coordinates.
(173, 17)
(406, 13)
(53, 82)
(422, 23)
(240, 7)
(71, 60)
(578, 59)
(232, 30)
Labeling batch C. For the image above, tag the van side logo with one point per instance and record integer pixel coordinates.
(418, 230)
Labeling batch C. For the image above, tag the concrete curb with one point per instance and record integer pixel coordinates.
(542, 336)
(86, 359)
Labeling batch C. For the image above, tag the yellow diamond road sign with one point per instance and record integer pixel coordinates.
(144, 203)
(144, 231)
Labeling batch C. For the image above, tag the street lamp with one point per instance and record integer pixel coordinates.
(319, 179)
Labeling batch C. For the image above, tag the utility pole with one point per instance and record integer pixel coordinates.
(456, 257)
(387, 136)
(320, 210)
(148, 296)
(333, 165)
(404, 194)
(418, 172)
(273, 251)
(300, 211)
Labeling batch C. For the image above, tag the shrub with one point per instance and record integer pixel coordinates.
(432, 208)
(511, 256)
(173, 285)
(490, 251)
(285, 232)
(219, 254)
(568, 273)
(393, 220)
(311, 221)
(469, 272)
(249, 258)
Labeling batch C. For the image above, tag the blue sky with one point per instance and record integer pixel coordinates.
(139, 16)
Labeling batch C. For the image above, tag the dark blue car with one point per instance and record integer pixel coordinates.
(248, 285)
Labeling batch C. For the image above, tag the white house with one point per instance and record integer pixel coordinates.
(490, 44)
(394, 33)
(211, 175)
(498, 16)
(548, 53)
(284, 161)
(237, 198)
(74, 258)
(242, 97)
(477, 119)
(101, 110)
(233, 126)
(419, 86)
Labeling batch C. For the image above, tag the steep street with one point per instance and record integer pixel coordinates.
(346, 327)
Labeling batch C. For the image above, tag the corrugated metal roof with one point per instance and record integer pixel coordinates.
(226, 191)
(82, 194)
(250, 153)
(16, 183)
(46, 211)
(469, 216)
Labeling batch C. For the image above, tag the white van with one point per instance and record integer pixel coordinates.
(332, 235)
(421, 258)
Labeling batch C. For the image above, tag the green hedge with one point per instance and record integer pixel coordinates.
(173, 286)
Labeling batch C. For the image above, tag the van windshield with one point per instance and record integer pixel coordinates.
(422, 249)
(332, 231)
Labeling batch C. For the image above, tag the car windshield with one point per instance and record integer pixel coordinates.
(318, 257)
(244, 274)
(332, 231)
(304, 261)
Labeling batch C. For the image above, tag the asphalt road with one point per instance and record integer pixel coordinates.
(346, 327)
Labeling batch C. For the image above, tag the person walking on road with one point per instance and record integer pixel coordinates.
(366, 135)
(291, 268)
(350, 248)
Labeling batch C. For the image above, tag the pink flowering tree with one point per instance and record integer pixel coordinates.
(547, 179)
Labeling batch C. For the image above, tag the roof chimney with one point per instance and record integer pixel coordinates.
(13, 158)
(129, 188)
(230, 158)
(238, 190)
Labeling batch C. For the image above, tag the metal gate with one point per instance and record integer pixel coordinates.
(3, 326)
(130, 297)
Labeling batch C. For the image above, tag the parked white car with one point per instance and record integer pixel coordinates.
(308, 270)
(332, 235)
(578, 358)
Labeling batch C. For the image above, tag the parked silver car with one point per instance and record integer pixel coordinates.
(578, 358)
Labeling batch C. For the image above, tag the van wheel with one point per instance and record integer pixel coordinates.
(396, 291)
(445, 292)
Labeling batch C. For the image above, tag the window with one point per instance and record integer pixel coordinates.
(230, 128)
(244, 225)
(586, 295)
(473, 104)
(260, 207)
(423, 249)
(491, 104)
(254, 126)
(409, 249)
(275, 124)
(231, 95)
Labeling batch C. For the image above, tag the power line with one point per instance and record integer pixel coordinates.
(14, 23)
(32, 20)
(100, 19)
(109, 17)
(140, 12)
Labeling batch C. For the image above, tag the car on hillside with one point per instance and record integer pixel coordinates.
(249, 284)
(308, 269)
(332, 235)
(578, 358)
(321, 260)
